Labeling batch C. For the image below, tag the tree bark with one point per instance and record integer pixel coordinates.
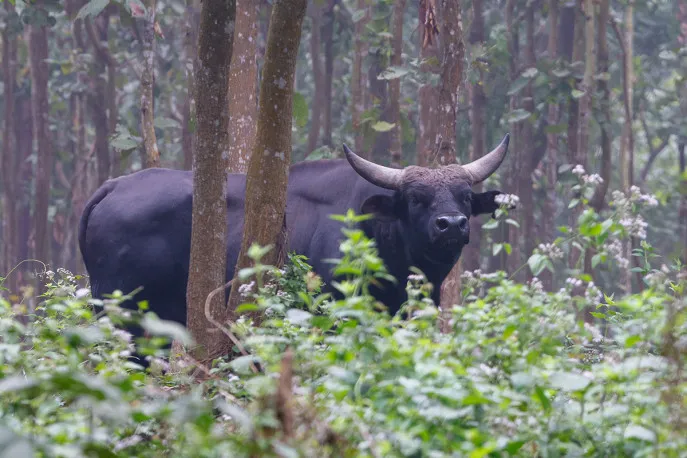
(605, 122)
(243, 80)
(427, 94)
(586, 86)
(268, 170)
(396, 143)
(40, 109)
(357, 81)
(478, 103)
(328, 39)
(189, 114)
(318, 78)
(682, 147)
(549, 216)
(97, 101)
(147, 86)
(207, 270)
(9, 157)
(451, 75)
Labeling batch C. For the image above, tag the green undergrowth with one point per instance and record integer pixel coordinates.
(516, 372)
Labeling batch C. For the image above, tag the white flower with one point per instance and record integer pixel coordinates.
(578, 170)
(507, 199)
(550, 250)
(594, 178)
(536, 285)
(246, 288)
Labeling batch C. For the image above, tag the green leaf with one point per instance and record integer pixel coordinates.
(166, 328)
(300, 110)
(383, 126)
(598, 315)
(507, 247)
(392, 73)
(242, 364)
(518, 85)
(92, 8)
(536, 262)
(518, 115)
(632, 341)
(16, 383)
(496, 249)
(640, 432)
(165, 123)
(297, 316)
(576, 93)
(568, 381)
(491, 224)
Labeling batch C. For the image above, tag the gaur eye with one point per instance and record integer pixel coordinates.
(468, 198)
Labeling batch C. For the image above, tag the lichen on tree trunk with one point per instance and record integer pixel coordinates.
(243, 80)
(147, 86)
(268, 170)
(207, 270)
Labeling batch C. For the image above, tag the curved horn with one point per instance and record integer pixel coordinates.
(481, 168)
(384, 177)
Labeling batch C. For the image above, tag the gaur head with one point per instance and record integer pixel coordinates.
(433, 205)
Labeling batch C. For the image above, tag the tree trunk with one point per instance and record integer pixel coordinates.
(586, 86)
(682, 147)
(268, 170)
(627, 145)
(396, 144)
(243, 80)
(147, 86)
(328, 39)
(478, 101)
(207, 270)
(605, 122)
(40, 108)
(549, 215)
(357, 81)
(189, 114)
(451, 75)
(9, 157)
(97, 31)
(427, 94)
(318, 78)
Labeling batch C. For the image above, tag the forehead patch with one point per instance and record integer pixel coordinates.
(444, 176)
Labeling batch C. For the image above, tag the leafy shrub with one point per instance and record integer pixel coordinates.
(518, 374)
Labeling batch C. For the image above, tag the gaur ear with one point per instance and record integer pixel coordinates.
(381, 206)
(485, 202)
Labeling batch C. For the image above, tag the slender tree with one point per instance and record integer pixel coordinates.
(330, 20)
(357, 80)
(427, 94)
(549, 215)
(268, 170)
(318, 77)
(604, 117)
(8, 162)
(40, 109)
(478, 102)
(243, 81)
(207, 270)
(189, 109)
(147, 85)
(395, 84)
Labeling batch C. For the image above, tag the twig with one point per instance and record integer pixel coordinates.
(284, 394)
(221, 327)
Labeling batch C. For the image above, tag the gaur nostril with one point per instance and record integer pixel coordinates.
(463, 223)
(442, 223)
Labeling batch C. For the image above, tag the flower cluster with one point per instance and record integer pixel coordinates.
(592, 179)
(246, 288)
(536, 285)
(510, 200)
(550, 250)
(471, 279)
(593, 294)
(573, 282)
(615, 249)
(657, 277)
(634, 225)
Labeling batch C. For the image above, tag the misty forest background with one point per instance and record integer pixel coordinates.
(569, 336)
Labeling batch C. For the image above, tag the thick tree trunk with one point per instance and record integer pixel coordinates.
(189, 114)
(207, 270)
(268, 170)
(147, 86)
(357, 81)
(427, 94)
(318, 78)
(10, 240)
(549, 214)
(243, 80)
(40, 109)
(453, 50)
(395, 85)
